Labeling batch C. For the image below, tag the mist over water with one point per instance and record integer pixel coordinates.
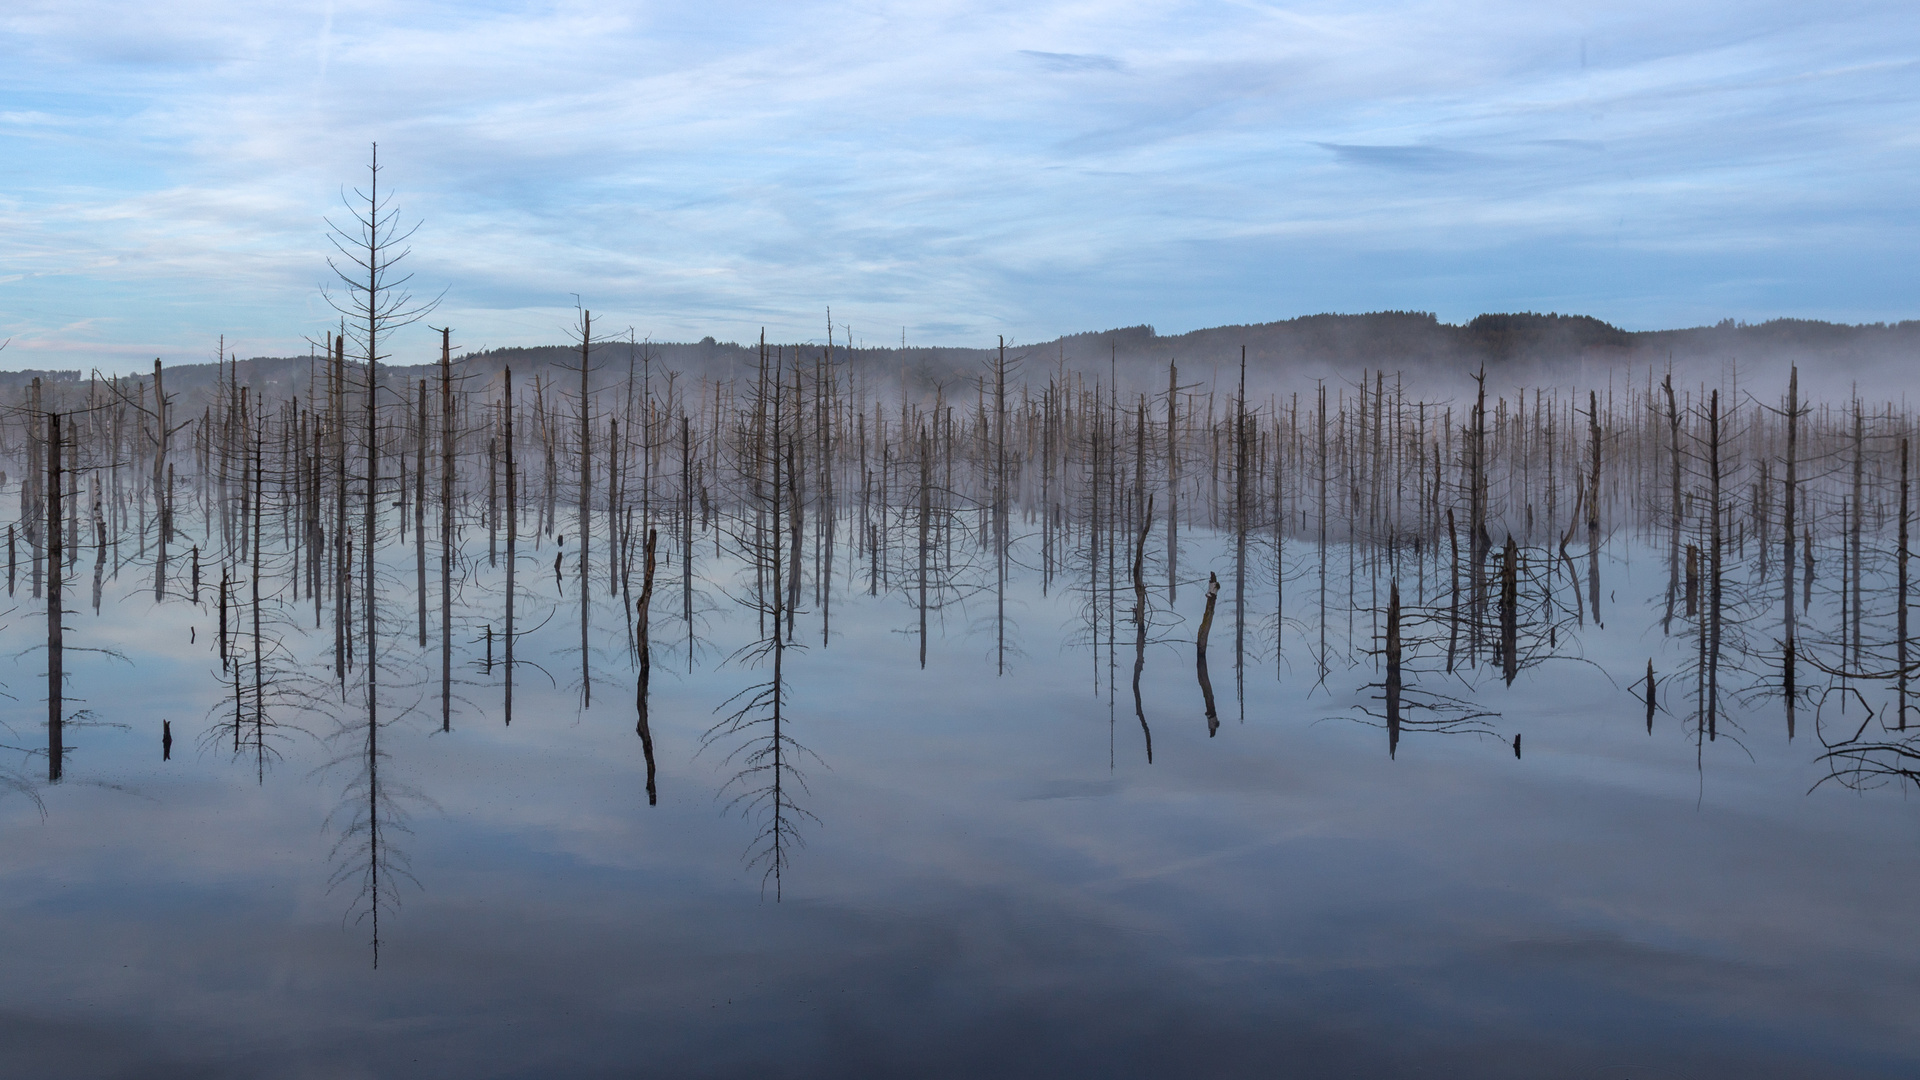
(947, 782)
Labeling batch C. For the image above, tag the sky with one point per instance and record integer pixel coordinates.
(944, 173)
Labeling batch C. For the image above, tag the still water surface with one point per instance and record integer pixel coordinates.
(998, 882)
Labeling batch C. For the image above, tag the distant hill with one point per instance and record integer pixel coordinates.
(1515, 349)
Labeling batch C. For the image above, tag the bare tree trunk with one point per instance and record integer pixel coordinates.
(38, 525)
(56, 657)
(419, 511)
(1510, 611)
(797, 500)
(259, 659)
(1789, 503)
(1901, 646)
(343, 568)
(779, 747)
(686, 531)
(160, 488)
(1000, 507)
(225, 585)
(1478, 540)
(586, 508)
(513, 542)
(1453, 606)
(370, 596)
(1854, 526)
(1693, 581)
(1173, 484)
(446, 530)
(493, 506)
(1593, 508)
(926, 523)
(1673, 546)
(316, 537)
(1321, 435)
(1393, 685)
(1240, 534)
(1200, 655)
(1715, 543)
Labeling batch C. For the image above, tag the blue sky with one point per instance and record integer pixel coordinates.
(951, 171)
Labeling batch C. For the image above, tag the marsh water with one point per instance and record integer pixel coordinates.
(964, 800)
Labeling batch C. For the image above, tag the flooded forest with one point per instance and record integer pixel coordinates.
(344, 574)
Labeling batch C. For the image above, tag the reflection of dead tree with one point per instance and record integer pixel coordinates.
(767, 777)
(1140, 623)
(583, 333)
(1722, 606)
(643, 616)
(60, 538)
(1648, 693)
(999, 499)
(1871, 647)
(1677, 514)
(263, 671)
(1529, 624)
(448, 519)
(1712, 632)
(1406, 705)
(1286, 565)
(942, 577)
(512, 589)
(1789, 499)
(765, 781)
(18, 780)
(1526, 628)
(372, 814)
(267, 683)
(387, 691)
(1861, 760)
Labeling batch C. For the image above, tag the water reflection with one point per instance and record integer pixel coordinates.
(1029, 518)
(1200, 655)
(643, 681)
(1140, 624)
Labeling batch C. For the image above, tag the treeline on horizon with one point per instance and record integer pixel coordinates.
(1511, 344)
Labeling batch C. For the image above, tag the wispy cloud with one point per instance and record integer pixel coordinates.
(959, 170)
(1415, 158)
(1054, 61)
